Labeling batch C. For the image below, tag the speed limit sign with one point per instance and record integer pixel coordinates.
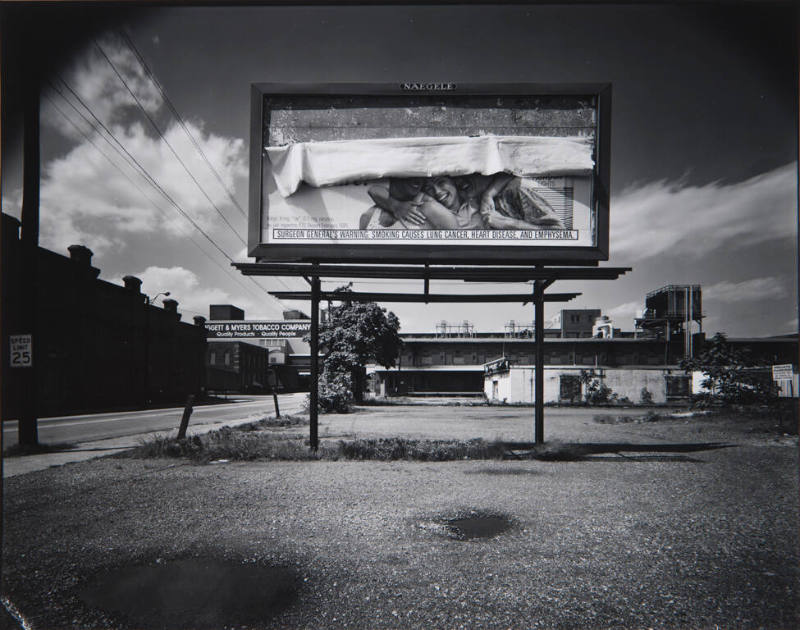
(21, 350)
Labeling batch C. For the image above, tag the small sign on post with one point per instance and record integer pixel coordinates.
(783, 372)
(20, 350)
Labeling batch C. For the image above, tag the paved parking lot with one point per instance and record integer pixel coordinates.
(695, 529)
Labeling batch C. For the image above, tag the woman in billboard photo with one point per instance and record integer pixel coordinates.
(469, 202)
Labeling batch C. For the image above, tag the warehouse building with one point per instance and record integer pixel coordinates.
(582, 349)
(99, 345)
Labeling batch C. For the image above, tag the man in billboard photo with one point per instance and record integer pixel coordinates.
(513, 203)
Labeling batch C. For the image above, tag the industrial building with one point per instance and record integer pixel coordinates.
(98, 345)
(584, 347)
(254, 365)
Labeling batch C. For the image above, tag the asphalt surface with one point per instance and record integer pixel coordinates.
(680, 523)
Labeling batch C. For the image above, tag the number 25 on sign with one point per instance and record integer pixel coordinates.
(21, 350)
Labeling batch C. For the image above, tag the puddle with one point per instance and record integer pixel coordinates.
(478, 526)
(192, 593)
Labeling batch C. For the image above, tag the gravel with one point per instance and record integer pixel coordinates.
(646, 539)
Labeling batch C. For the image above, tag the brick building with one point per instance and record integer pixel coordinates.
(98, 345)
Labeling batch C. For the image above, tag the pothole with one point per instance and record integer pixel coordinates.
(469, 526)
(192, 593)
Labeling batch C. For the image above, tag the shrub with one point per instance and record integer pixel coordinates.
(731, 375)
(645, 397)
(335, 393)
(596, 391)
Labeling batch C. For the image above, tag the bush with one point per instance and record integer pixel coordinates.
(335, 393)
(597, 392)
(645, 397)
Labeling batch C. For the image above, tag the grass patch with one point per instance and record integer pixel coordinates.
(271, 422)
(226, 443)
(387, 449)
(650, 416)
(18, 450)
(252, 445)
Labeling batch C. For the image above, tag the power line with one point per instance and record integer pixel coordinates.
(155, 205)
(151, 180)
(171, 148)
(146, 173)
(179, 118)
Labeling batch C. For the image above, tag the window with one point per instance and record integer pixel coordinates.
(227, 358)
(212, 358)
(569, 388)
(678, 387)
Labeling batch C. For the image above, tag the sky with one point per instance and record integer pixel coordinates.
(703, 143)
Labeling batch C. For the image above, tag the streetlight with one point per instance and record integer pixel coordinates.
(146, 370)
(149, 301)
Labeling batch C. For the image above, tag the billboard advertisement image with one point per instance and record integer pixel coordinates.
(428, 178)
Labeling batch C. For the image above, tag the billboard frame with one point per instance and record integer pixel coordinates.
(421, 254)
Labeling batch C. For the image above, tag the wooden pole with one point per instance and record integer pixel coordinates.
(28, 430)
(187, 413)
(314, 389)
(275, 399)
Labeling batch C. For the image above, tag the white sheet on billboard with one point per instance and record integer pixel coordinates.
(342, 161)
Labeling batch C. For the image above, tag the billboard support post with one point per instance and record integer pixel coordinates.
(495, 182)
(538, 301)
(542, 275)
(313, 411)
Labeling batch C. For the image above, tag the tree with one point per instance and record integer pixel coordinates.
(353, 335)
(729, 373)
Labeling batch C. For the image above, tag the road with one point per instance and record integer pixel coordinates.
(104, 426)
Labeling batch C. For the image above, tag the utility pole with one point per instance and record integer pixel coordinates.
(28, 430)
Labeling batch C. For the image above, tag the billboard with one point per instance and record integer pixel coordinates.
(429, 173)
(239, 329)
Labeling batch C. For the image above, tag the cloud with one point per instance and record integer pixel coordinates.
(693, 221)
(624, 314)
(94, 195)
(753, 290)
(99, 84)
